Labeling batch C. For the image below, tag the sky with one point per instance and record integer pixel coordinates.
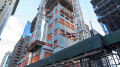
(26, 11)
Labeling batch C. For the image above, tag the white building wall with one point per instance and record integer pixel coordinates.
(4, 15)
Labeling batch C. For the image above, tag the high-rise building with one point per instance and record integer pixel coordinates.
(27, 30)
(54, 32)
(7, 8)
(107, 12)
(6, 59)
(20, 51)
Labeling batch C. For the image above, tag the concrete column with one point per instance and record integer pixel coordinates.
(21, 64)
(81, 63)
(42, 52)
(30, 59)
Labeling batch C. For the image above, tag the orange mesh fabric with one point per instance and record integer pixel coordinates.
(55, 21)
(35, 58)
(67, 24)
(62, 32)
(55, 43)
(49, 45)
(19, 65)
(73, 37)
(49, 36)
(66, 14)
(56, 11)
(25, 62)
(62, 21)
(47, 54)
(71, 17)
(67, 34)
(61, 11)
(50, 26)
(72, 27)
(51, 16)
(55, 32)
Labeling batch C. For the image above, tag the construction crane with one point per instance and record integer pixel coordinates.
(78, 17)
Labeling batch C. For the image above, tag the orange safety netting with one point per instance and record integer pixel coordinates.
(47, 54)
(50, 26)
(32, 36)
(51, 16)
(61, 11)
(66, 14)
(35, 58)
(73, 37)
(49, 45)
(62, 32)
(19, 65)
(55, 21)
(32, 42)
(67, 34)
(56, 11)
(72, 27)
(55, 43)
(76, 65)
(55, 32)
(71, 17)
(25, 62)
(62, 21)
(67, 24)
(49, 36)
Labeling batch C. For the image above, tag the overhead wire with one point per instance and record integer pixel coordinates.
(89, 13)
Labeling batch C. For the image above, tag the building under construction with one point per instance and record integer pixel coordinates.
(108, 14)
(54, 29)
(57, 28)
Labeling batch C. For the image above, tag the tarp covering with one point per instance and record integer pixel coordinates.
(87, 45)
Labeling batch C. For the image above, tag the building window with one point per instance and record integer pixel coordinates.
(71, 17)
(51, 16)
(62, 21)
(67, 24)
(56, 32)
(55, 43)
(67, 34)
(61, 11)
(62, 32)
(50, 26)
(72, 27)
(49, 36)
(66, 14)
(47, 54)
(55, 21)
(56, 11)
(73, 37)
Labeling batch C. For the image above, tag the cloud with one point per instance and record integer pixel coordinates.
(13, 31)
(13, 22)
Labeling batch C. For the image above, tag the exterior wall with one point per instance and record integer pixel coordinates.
(62, 41)
(6, 12)
(45, 51)
(20, 51)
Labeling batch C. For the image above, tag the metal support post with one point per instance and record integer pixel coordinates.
(107, 59)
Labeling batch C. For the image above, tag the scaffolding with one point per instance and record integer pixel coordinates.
(108, 14)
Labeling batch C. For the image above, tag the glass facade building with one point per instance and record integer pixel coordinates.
(27, 30)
